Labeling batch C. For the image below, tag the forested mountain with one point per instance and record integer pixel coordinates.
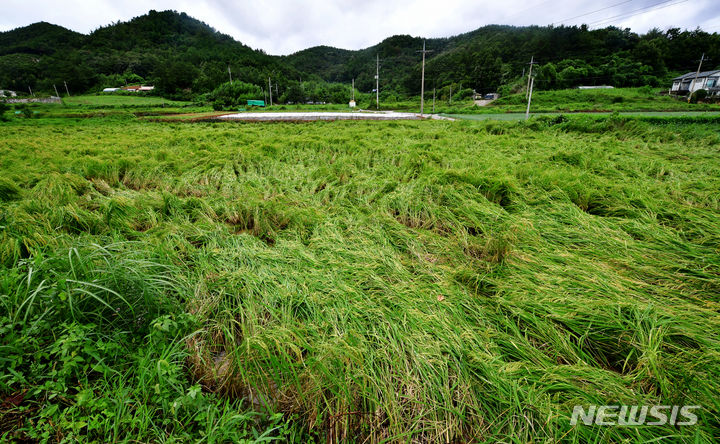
(494, 55)
(172, 50)
(184, 57)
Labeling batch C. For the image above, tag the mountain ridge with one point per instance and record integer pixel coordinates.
(186, 56)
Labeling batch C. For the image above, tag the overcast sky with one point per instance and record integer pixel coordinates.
(286, 26)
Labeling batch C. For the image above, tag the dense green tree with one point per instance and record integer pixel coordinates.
(235, 94)
(185, 56)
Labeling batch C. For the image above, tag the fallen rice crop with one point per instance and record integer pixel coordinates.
(357, 281)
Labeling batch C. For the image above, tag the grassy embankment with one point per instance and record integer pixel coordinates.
(596, 100)
(637, 100)
(439, 280)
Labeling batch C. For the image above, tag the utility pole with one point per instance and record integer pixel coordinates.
(532, 62)
(31, 93)
(422, 79)
(377, 81)
(66, 88)
(230, 74)
(270, 90)
(433, 100)
(451, 94)
(527, 111)
(690, 91)
(56, 93)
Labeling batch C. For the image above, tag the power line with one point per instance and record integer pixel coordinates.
(639, 11)
(593, 12)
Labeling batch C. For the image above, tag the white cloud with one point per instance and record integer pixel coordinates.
(286, 26)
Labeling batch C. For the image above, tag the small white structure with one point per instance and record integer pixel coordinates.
(352, 104)
(110, 90)
(146, 88)
(688, 84)
(596, 87)
(7, 93)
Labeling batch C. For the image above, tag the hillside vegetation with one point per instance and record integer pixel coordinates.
(184, 57)
(434, 281)
(574, 100)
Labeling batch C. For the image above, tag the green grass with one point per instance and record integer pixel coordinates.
(365, 281)
(596, 100)
(661, 116)
(121, 100)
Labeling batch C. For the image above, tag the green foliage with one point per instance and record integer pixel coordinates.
(184, 57)
(576, 100)
(105, 337)
(698, 96)
(233, 95)
(446, 280)
(26, 111)
(8, 190)
(3, 109)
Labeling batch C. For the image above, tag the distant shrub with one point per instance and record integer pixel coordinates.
(463, 94)
(3, 109)
(698, 95)
(551, 120)
(25, 110)
(232, 95)
(646, 90)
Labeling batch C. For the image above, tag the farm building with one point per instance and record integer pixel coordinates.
(688, 84)
(109, 90)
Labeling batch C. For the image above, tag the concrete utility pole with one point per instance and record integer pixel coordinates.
(532, 62)
(56, 93)
(527, 111)
(66, 88)
(230, 74)
(690, 91)
(377, 81)
(422, 79)
(270, 90)
(30, 89)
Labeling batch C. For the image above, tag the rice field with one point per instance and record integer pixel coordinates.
(121, 100)
(414, 281)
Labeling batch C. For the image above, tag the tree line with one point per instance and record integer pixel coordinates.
(185, 58)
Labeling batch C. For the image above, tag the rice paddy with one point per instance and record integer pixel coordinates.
(414, 281)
